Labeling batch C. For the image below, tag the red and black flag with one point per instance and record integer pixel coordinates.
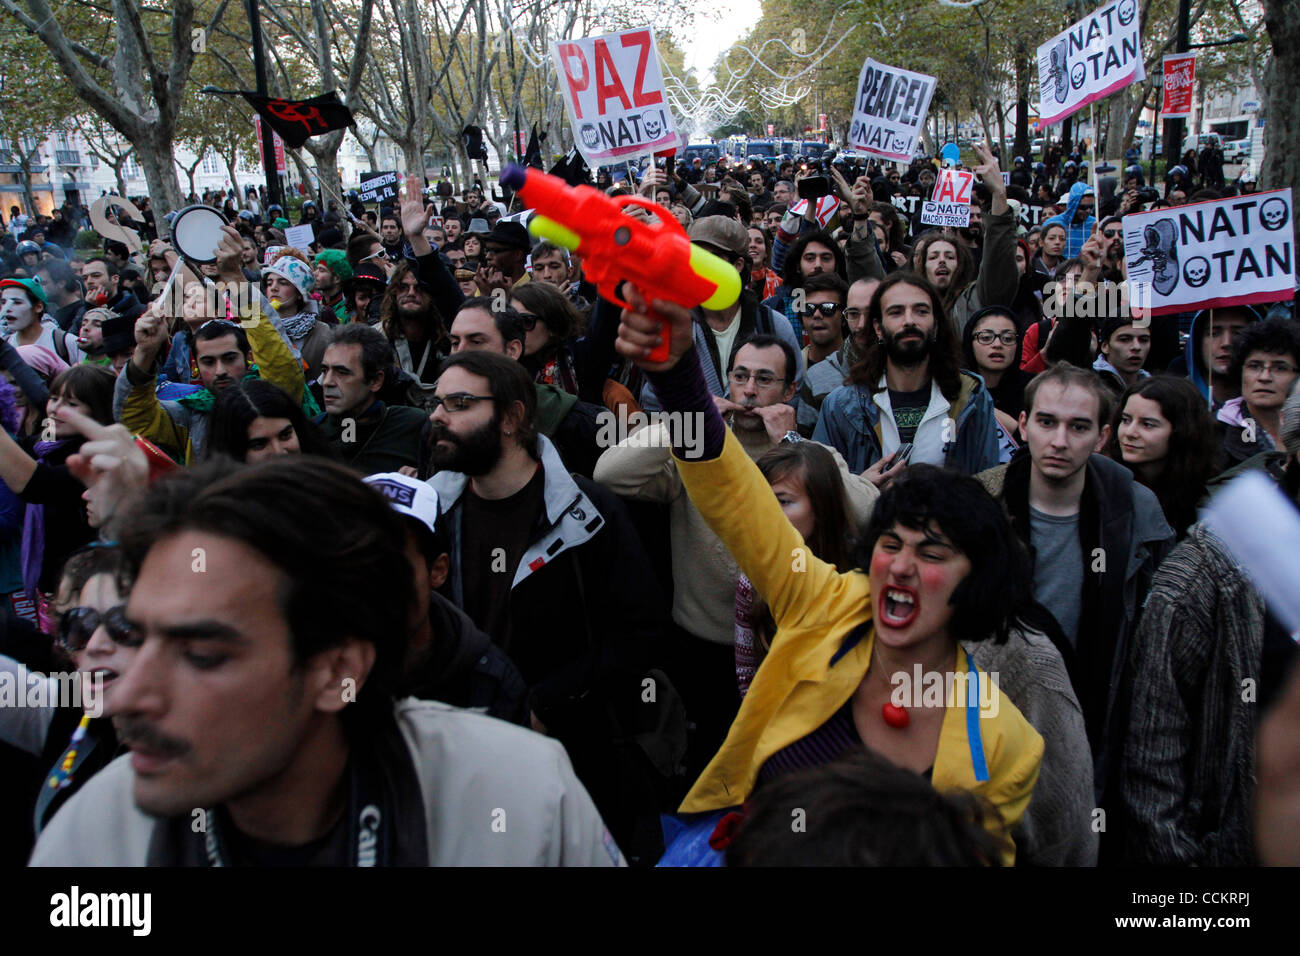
(297, 120)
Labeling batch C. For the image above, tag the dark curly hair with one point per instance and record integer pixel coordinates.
(989, 601)
(1272, 337)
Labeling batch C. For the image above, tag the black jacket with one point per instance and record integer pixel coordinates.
(465, 669)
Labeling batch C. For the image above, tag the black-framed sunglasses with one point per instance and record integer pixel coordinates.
(530, 320)
(457, 401)
(78, 625)
(827, 309)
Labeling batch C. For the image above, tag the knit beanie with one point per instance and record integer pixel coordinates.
(297, 272)
(336, 260)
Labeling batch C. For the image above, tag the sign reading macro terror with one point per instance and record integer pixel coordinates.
(889, 110)
(1090, 60)
(614, 91)
(1234, 251)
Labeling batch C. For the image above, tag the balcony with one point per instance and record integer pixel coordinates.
(68, 157)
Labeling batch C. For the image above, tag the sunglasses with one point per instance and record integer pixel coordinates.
(827, 309)
(79, 624)
(530, 321)
(1110, 233)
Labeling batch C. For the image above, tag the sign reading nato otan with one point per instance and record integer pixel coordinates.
(1234, 251)
(614, 91)
(1093, 58)
(889, 110)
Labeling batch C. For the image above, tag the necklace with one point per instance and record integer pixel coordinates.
(63, 776)
(893, 715)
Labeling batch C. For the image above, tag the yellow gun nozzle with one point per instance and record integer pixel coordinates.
(552, 231)
(721, 273)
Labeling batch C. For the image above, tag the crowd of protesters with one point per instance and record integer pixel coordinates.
(370, 563)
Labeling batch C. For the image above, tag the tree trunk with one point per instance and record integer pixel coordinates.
(231, 162)
(117, 174)
(155, 155)
(1281, 166)
(25, 174)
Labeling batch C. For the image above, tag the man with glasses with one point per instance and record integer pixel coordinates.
(641, 468)
(572, 425)
(367, 433)
(1265, 361)
(1112, 234)
(825, 376)
(546, 563)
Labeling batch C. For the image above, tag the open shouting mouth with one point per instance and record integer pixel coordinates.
(898, 607)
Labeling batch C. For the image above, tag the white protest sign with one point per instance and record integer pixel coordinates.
(889, 110)
(1231, 251)
(1091, 59)
(614, 90)
(299, 237)
(950, 204)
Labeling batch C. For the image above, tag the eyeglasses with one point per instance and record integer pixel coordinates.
(79, 624)
(825, 308)
(1255, 366)
(988, 335)
(457, 401)
(530, 320)
(1110, 233)
(854, 315)
(741, 376)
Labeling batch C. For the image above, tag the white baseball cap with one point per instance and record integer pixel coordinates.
(409, 496)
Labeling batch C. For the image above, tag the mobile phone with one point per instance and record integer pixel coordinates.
(903, 454)
(814, 187)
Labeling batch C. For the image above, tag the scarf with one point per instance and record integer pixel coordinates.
(559, 371)
(296, 327)
(33, 544)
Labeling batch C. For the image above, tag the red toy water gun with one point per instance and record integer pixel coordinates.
(659, 261)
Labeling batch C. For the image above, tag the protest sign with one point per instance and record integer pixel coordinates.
(950, 204)
(1091, 59)
(278, 146)
(378, 187)
(889, 110)
(1233, 251)
(299, 237)
(1180, 75)
(614, 90)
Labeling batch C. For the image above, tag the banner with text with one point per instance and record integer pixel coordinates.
(889, 110)
(950, 204)
(378, 187)
(280, 167)
(1231, 251)
(1091, 59)
(1180, 74)
(614, 90)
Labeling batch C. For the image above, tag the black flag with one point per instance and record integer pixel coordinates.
(572, 169)
(297, 120)
(473, 138)
(533, 154)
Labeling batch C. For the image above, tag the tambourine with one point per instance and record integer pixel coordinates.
(196, 233)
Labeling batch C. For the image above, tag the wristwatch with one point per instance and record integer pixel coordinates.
(791, 437)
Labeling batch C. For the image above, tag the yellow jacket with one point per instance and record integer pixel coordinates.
(812, 670)
(180, 431)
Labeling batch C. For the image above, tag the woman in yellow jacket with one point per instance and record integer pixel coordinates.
(870, 657)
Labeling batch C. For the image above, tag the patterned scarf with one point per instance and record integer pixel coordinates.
(296, 327)
(204, 399)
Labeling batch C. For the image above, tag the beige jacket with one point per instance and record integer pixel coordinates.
(641, 467)
(473, 770)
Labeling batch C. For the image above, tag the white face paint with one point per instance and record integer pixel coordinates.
(16, 310)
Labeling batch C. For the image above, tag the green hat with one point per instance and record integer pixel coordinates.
(32, 287)
(336, 260)
(280, 223)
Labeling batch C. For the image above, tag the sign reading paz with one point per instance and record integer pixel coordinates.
(889, 110)
(614, 90)
(1091, 59)
(1233, 251)
(950, 204)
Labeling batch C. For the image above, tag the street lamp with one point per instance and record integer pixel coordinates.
(1158, 81)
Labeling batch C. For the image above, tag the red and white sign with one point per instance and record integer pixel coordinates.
(280, 166)
(771, 129)
(950, 204)
(614, 90)
(1180, 76)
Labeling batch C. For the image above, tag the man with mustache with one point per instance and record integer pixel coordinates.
(548, 564)
(910, 389)
(368, 434)
(224, 352)
(261, 701)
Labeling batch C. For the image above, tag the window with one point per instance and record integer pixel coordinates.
(211, 164)
(132, 168)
